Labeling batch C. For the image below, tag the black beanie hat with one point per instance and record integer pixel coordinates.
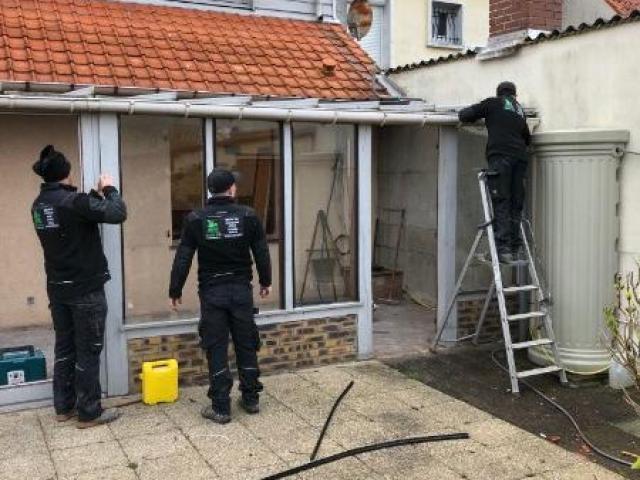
(220, 180)
(506, 88)
(52, 166)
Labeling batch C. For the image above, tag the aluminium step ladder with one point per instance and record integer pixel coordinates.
(501, 292)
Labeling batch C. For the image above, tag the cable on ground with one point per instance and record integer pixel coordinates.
(565, 412)
(367, 448)
(328, 420)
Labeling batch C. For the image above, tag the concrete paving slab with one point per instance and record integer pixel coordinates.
(537, 455)
(26, 439)
(421, 396)
(408, 462)
(69, 436)
(582, 471)
(153, 421)
(156, 445)
(33, 467)
(346, 469)
(88, 458)
(189, 466)
(231, 448)
(172, 441)
(112, 473)
(260, 473)
(494, 432)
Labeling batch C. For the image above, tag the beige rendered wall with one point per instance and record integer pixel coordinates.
(21, 260)
(578, 82)
(411, 29)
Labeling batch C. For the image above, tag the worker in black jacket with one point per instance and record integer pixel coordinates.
(225, 234)
(507, 154)
(66, 223)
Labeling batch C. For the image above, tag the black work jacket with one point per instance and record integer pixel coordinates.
(224, 234)
(509, 134)
(66, 223)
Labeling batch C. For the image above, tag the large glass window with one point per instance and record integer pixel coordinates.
(325, 213)
(25, 319)
(162, 180)
(252, 150)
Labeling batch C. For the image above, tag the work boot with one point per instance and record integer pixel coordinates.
(65, 417)
(250, 407)
(107, 416)
(210, 414)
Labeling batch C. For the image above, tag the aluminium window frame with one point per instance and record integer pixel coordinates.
(443, 44)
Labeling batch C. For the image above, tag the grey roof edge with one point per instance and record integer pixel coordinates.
(571, 30)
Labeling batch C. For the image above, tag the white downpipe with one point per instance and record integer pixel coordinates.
(186, 109)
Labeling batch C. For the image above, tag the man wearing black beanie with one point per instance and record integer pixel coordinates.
(66, 223)
(507, 154)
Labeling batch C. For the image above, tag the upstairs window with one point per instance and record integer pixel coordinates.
(446, 24)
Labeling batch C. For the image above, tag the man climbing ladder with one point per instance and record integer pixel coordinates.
(507, 155)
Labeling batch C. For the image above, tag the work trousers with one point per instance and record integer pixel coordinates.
(507, 193)
(79, 331)
(228, 309)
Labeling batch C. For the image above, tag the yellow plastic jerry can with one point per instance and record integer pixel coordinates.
(159, 381)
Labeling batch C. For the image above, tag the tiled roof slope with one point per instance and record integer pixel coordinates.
(624, 7)
(111, 43)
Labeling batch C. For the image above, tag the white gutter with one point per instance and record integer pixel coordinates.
(186, 109)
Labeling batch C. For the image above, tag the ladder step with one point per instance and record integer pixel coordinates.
(516, 263)
(524, 316)
(532, 343)
(538, 371)
(522, 288)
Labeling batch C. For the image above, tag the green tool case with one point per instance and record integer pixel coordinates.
(21, 364)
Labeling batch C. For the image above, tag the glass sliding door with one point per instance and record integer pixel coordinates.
(325, 213)
(252, 149)
(25, 321)
(162, 163)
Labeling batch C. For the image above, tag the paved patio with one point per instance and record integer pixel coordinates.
(174, 442)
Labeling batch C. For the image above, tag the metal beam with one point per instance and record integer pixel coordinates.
(81, 92)
(193, 109)
(447, 215)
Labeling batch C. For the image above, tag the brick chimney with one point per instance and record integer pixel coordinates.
(510, 16)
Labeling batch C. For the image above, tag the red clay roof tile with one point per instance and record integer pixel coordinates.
(624, 7)
(108, 42)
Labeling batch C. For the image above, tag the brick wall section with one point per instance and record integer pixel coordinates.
(469, 313)
(285, 346)
(508, 16)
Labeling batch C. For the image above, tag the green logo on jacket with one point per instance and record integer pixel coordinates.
(212, 230)
(37, 220)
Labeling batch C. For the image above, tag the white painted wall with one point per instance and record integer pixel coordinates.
(583, 81)
(575, 12)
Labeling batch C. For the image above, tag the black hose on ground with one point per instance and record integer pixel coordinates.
(328, 420)
(565, 412)
(367, 448)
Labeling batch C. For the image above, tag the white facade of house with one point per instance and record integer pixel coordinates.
(580, 83)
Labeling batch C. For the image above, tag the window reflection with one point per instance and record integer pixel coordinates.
(252, 150)
(325, 216)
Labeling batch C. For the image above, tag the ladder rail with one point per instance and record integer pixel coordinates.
(443, 321)
(497, 276)
(548, 322)
(498, 290)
